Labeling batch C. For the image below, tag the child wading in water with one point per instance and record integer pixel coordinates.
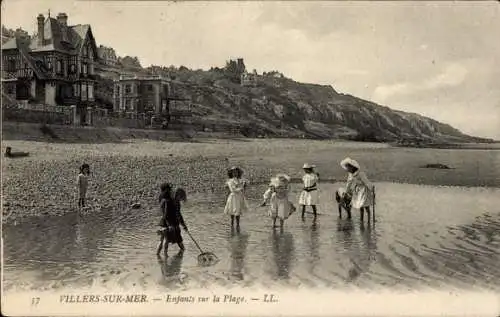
(309, 195)
(83, 184)
(358, 188)
(171, 219)
(236, 204)
(277, 196)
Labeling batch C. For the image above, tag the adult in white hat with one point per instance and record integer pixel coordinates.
(309, 195)
(358, 187)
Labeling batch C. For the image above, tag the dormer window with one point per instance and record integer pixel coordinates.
(85, 51)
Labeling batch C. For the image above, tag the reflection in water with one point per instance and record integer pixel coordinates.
(415, 243)
(238, 244)
(345, 229)
(314, 246)
(283, 250)
(171, 266)
(369, 239)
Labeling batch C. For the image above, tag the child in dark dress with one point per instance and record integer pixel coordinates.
(172, 219)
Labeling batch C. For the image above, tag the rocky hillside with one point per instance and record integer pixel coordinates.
(276, 105)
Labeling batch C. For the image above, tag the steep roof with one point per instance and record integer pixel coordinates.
(56, 37)
(10, 44)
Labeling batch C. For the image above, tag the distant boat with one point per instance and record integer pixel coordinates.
(10, 154)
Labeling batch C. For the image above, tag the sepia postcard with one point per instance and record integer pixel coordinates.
(250, 158)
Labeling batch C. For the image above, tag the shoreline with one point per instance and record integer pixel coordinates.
(19, 131)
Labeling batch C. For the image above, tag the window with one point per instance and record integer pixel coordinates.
(150, 87)
(10, 89)
(85, 51)
(84, 92)
(127, 104)
(76, 91)
(128, 89)
(11, 66)
(49, 65)
(84, 69)
(72, 68)
(59, 67)
(90, 90)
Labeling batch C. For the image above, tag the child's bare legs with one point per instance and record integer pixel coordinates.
(237, 222)
(362, 212)
(303, 211)
(232, 221)
(314, 211)
(160, 246)
(181, 246)
(274, 222)
(282, 222)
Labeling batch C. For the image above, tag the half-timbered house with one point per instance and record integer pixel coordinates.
(54, 67)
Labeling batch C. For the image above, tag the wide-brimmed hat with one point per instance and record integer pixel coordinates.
(283, 176)
(349, 161)
(274, 182)
(235, 168)
(308, 166)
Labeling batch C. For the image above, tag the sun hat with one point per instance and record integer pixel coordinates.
(349, 161)
(307, 166)
(235, 168)
(274, 182)
(283, 176)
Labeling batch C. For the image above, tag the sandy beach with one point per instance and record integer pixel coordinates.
(453, 241)
(129, 172)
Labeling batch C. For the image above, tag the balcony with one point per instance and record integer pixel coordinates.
(145, 77)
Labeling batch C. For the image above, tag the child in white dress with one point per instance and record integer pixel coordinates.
(277, 197)
(358, 188)
(83, 184)
(309, 195)
(236, 204)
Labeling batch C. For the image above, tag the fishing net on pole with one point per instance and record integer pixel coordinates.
(204, 258)
(207, 259)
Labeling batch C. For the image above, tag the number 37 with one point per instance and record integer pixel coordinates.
(35, 301)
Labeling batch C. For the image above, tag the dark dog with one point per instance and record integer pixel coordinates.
(343, 202)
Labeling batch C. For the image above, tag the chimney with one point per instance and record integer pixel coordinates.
(62, 18)
(41, 25)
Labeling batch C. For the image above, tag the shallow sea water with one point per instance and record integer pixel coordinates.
(423, 237)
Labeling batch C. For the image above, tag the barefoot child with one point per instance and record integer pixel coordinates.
(236, 204)
(358, 187)
(171, 218)
(83, 183)
(277, 197)
(309, 195)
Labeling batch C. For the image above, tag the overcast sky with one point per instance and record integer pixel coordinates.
(439, 59)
